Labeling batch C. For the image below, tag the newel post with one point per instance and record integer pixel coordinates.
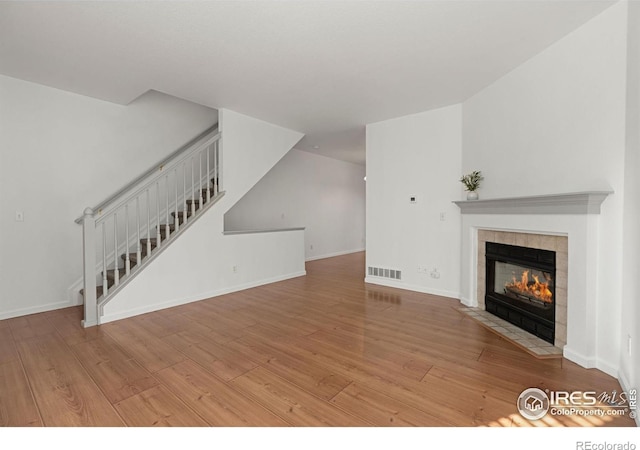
(89, 269)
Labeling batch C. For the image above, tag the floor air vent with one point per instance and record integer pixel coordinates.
(385, 273)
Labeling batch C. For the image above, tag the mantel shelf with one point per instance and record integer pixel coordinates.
(573, 203)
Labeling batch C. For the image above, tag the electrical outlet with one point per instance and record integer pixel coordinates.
(443, 217)
(235, 269)
(311, 247)
(19, 216)
(435, 273)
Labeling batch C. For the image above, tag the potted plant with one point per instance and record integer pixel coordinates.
(471, 183)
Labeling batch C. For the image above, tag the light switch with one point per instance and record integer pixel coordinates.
(19, 216)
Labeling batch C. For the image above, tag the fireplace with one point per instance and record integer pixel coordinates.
(569, 225)
(520, 287)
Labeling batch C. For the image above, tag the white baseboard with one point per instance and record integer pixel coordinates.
(205, 295)
(86, 324)
(37, 309)
(468, 302)
(590, 362)
(331, 255)
(608, 367)
(412, 287)
(578, 358)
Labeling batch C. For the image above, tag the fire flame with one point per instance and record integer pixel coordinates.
(534, 288)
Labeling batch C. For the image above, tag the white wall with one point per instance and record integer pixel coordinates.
(324, 195)
(417, 155)
(630, 358)
(557, 124)
(199, 264)
(59, 153)
(206, 268)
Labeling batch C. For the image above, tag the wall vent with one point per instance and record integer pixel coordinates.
(385, 273)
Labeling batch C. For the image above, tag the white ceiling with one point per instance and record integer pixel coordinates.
(324, 68)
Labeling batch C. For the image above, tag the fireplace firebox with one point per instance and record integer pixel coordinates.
(521, 287)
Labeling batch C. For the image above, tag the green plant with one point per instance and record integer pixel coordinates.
(472, 180)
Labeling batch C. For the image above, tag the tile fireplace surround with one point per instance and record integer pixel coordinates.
(564, 223)
(558, 244)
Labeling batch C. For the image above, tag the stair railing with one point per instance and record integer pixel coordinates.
(122, 233)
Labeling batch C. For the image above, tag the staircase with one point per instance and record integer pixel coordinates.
(149, 244)
(127, 231)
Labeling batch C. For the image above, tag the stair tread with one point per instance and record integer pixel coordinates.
(111, 273)
(133, 258)
(99, 290)
(181, 216)
(181, 213)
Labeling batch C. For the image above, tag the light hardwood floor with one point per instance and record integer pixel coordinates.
(320, 350)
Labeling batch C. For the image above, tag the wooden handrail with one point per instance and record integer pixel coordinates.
(158, 167)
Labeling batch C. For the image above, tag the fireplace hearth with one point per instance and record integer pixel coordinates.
(520, 287)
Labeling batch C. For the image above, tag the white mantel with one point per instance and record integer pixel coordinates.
(574, 215)
(572, 203)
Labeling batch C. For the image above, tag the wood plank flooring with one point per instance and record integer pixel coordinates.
(321, 350)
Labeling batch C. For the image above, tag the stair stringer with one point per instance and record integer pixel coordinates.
(200, 263)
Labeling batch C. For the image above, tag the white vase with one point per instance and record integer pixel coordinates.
(472, 195)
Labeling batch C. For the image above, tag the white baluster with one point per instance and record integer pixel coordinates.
(208, 173)
(148, 224)
(127, 263)
(184, 193)
(167, 230)
(216, 163)
(175, 176)
(89, 269)
(200, 180)
(105, 283)
(116, 271)
(193, 193)
(215, 169)
(138, 249)
(158, 237)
